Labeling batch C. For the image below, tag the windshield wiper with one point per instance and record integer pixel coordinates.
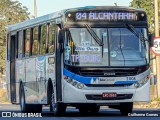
(94, 35)
(138, 34)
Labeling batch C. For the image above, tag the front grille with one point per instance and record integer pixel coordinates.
(110, 73)
(119, 97)
(107, 71)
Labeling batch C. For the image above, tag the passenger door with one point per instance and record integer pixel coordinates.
(12, 68)
(58, 68)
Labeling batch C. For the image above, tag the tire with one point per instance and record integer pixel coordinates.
(24, 107)
(28, 108)
(58, 109)
(94, 109)
(126, 108)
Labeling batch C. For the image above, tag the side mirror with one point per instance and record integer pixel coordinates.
(150, 38)
(61, 37)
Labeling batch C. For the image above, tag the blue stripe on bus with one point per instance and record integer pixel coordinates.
(87, 80)
(125, 82)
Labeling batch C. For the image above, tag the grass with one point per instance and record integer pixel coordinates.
(157, 99)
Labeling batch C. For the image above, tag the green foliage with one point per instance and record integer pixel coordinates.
(148, 6)
(11, 12)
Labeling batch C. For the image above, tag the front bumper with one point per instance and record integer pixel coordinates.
(72, 94)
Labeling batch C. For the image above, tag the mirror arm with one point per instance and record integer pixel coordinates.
(150, 36)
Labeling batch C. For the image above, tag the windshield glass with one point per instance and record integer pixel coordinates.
(121, 47)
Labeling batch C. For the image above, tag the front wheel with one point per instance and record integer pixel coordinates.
(57, 108)
(126, 108)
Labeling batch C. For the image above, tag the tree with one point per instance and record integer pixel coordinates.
(11, 12)
(148, 6)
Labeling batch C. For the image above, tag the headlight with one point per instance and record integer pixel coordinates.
(80, 85)
(136, 85)
(75, 83)
(69, 80)
(142, 82)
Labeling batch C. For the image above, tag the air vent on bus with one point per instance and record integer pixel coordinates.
(110, 73)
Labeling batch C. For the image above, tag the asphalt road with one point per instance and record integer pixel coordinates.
(73, 114)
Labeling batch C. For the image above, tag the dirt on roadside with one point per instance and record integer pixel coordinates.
(153, 104)
(3, 97)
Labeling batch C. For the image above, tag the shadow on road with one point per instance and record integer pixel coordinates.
(104, 113)
(72, 112)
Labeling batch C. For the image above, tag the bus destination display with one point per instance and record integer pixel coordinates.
(105, 16)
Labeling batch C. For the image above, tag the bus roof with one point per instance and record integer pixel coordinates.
(51, 16)
(125, 8)
(35, 21)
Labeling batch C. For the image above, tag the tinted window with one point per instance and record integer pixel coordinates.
(51, 38)
(27, 42)
(35, 41)
(43, 38)
(20, 39)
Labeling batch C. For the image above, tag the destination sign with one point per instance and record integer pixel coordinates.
(105, 16)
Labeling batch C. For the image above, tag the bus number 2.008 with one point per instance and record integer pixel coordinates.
(131, 78)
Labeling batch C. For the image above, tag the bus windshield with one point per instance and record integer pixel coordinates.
(121, 47)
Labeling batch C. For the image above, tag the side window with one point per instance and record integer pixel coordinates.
(43, 38)
(51, 38)
(35, 41)
(20, 40)
(8, 46)
(27, 42)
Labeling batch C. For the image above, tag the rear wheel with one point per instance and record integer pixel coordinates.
(126, 108)
(26, 108)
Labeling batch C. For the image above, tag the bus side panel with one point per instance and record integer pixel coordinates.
(41, 79)
(20, 76)
(31, 87)
(8, 80)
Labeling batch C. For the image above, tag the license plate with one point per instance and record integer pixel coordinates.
(109, 95)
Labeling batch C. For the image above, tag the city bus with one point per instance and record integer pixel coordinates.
(84, 57)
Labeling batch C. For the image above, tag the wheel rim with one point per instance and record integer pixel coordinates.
(54, 107)
(22, 101)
